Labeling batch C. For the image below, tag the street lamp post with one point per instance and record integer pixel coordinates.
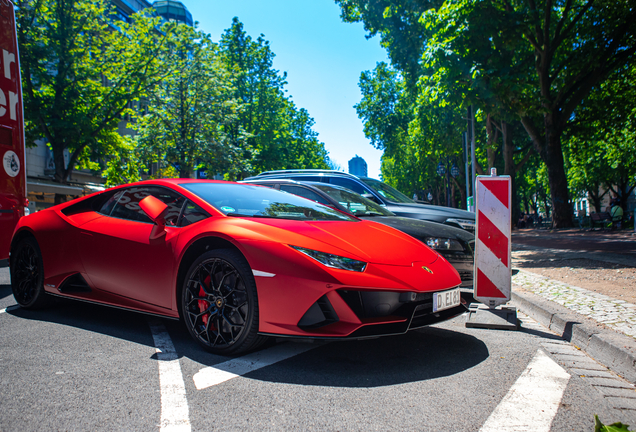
(454, 171)
(441, 171)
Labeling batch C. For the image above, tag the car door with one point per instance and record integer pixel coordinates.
(120, 256)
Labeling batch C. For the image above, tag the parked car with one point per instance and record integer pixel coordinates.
(381, 193)
(454, 244)
(237, 263)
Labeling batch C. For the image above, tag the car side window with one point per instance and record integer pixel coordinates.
(308, 178)
(347, 183)
(304, 192)
(127, 206)
(192, 213)
(108, 205)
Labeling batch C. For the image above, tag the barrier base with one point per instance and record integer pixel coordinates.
(500, 318)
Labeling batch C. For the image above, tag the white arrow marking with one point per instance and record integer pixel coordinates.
(222, 372)
(533, 400)
(175, 416)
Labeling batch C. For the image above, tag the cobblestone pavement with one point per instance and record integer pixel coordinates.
(615, 314)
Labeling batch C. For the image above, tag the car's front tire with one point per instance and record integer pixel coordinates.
(27, 275)
(219, 303)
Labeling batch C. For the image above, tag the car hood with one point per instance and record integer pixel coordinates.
(439, 212)
(364, 240)
(420, 228)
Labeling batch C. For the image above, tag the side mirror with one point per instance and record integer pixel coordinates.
(156, 211)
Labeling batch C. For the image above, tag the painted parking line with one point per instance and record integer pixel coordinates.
(9, 308)
(211, 376)
(175, 415)
(533, 400)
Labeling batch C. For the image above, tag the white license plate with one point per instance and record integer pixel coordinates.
(446, 299)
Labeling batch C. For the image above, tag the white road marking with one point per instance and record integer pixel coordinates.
(533, 400)
(175, 416)
(222, 372)
(9, 308)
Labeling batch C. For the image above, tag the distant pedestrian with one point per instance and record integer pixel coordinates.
(615, 201)
(521, 223)
(616, 212)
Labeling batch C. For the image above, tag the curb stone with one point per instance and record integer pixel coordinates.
(616, 351)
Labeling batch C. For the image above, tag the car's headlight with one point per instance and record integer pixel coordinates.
(333, 261)
(444, 244)
(464, 223)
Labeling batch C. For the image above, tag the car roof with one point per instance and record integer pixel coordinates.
(312, 184)
(320, 172)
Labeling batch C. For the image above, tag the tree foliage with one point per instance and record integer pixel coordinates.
(192, 116)
(193, 104)
(533, 62)
(81, 73)
(601, 147)
(279, 132)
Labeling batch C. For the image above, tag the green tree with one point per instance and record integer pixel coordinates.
(192, 114)
(536, 60)
(601, 147)
(81, 73)
(280, 133)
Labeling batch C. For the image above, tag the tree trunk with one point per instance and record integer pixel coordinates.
(596, 199)
(561, 208)
(491, 150)
(510, 169)
(549, 148)
(462, 195)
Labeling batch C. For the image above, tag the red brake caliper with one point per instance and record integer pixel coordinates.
(204, 304)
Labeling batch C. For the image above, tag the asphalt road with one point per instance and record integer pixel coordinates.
(82, 367)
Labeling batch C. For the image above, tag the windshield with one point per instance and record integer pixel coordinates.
(354, 203)
(387, 191)
(240, 200)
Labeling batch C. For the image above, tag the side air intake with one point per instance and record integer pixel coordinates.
(318, 315)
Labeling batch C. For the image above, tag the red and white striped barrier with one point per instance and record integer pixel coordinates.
(493, 269)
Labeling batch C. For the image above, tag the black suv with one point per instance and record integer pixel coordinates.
(381, 193)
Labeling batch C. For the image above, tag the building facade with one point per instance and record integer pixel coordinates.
(173, 10)
(358, 167)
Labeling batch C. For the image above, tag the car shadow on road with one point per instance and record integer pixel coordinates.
(418, 355)
(5, 291)
(105, 320)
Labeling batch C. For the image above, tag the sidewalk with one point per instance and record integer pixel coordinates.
(597, 320)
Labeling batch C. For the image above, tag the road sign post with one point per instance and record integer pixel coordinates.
(493, 268)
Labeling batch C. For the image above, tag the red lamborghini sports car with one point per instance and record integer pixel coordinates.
(236, 262)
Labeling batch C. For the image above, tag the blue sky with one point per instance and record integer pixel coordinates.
(323, 58)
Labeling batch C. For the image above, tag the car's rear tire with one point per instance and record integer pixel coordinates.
(27, 275)
(219, 303)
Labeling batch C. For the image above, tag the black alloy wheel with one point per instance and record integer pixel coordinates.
(219, 303)
(27, 275)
